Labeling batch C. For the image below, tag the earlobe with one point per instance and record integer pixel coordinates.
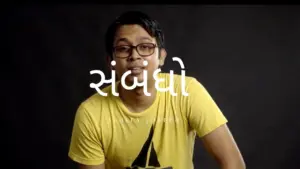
(163, 55)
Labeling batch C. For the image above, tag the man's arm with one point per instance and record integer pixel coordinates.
(222, 146)
(85, 146)
(102, 166)
(207, 119)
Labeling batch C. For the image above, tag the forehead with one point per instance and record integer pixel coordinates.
(132, 33)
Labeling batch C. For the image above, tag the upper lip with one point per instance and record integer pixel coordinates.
(136, 66)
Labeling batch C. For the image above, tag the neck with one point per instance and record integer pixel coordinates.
(135, 100)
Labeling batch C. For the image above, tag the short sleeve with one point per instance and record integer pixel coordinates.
(203, 114)
(85, 147)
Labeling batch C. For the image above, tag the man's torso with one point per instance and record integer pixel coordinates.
(158, 137)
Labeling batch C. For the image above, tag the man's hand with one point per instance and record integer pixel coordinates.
(221, 145)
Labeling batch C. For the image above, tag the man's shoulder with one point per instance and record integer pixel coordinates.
(96, 99)
(178, 78)
(182, 85)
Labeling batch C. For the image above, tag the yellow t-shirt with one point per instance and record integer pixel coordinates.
(162, 136)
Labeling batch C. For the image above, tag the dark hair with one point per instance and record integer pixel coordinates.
(134, 17)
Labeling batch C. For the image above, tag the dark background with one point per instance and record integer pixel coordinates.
(246, 56)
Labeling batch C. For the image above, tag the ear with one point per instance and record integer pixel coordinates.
(162, 56)
(108, 60)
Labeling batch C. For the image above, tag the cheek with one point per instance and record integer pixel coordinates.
(120, 64)
(153, 63)
(119, 68)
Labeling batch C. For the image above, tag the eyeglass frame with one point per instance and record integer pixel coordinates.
(136, 49)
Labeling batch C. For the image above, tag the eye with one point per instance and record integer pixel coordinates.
(122, 48)
(146, 46)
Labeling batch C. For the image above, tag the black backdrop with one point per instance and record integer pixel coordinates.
(246, 56)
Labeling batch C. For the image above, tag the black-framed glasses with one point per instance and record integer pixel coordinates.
(143, 49)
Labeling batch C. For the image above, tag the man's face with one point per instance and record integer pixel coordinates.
(133, 58)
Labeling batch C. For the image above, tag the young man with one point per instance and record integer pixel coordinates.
(135, 130)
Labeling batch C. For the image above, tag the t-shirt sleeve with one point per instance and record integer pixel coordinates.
(203, 115)
(85, 147)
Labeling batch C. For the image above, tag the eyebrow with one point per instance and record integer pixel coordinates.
(145, 38)
(127, 41)
(122, 40)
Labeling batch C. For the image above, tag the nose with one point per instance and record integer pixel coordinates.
(134, 55)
